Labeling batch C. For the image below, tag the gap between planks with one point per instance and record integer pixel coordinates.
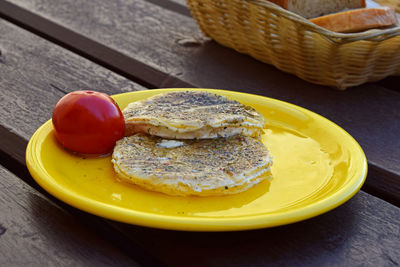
(12, 157)
(177, 6)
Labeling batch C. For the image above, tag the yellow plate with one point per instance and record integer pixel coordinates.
(317, 166)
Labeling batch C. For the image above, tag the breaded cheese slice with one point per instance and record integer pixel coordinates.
(192, 115)
(206, 167)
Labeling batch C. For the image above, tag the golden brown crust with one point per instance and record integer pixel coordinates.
(191, 113)
(316, 8)
(185, 190)
(285, 3)
(358, 19)
(192, 167)
(282, 3)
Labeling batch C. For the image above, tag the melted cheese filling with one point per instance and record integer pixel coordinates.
(187, 126)
(202, 133)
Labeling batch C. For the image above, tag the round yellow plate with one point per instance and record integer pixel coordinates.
(317, 167)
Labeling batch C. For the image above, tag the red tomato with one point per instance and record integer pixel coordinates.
(88, 122)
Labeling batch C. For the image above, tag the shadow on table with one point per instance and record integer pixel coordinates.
(348, 235)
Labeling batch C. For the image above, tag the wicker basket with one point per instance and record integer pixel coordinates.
(291, 43)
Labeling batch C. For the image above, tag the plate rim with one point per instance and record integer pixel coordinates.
(170, 222)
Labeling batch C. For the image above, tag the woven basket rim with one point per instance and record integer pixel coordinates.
(370, 35)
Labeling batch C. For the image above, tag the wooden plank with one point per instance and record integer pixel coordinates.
(336, 237)
(363, 222)
(57, 239)
(169, 43)
(31, 64)
(384, 184)
(86, 47)
(34, 74)
(98, 226)
(365, 230)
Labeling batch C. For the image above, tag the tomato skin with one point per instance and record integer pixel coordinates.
(88, 122)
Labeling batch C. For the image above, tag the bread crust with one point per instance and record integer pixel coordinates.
(282, 3)
(192, 114)
(285, 3)
(209, 167)
(316, 8)
(357, 20)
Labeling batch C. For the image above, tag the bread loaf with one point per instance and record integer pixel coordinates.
(316, 8)
(357, 20)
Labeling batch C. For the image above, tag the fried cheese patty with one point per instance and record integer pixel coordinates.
(192, 115)
(207, 167)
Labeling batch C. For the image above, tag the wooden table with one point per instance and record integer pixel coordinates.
(51, 47)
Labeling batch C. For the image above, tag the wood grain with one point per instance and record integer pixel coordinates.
(172, 44)
(364, 230)
(44, 72)
(29, 238)
(47, 72)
